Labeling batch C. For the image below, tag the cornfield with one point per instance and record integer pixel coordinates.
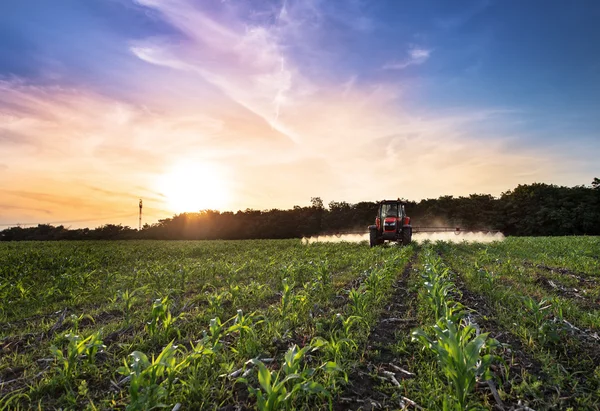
(278, 324)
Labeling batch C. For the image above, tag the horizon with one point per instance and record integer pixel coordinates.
(79, 224)
(264, 104)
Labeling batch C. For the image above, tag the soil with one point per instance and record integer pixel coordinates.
(581, 277)
(579, 295)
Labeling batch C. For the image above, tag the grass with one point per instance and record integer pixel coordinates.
(282, 325)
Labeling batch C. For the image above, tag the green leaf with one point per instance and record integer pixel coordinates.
(331, 366)
(472, 349)
(314, 388)
(264, 377)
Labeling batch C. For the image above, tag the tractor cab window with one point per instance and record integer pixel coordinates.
(389, 210)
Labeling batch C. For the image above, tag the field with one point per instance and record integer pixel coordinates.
(280, 324)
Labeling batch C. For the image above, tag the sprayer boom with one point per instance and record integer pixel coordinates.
(456, 230)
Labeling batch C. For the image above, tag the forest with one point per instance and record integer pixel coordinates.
(528, 210)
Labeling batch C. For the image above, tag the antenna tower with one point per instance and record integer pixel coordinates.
(140, 224)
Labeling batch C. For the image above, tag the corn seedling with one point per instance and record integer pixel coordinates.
(215, 302)
(244, 325)
(214, 334)
(359, 302)
(546, 331)
(348, 322)
(76, 319)
(127, 299)
(78, 347)
(151, 380)
(293, 305)
(162, 319)
(461, 355)
(323, 280)
(286, 297)
(334, 347)
(437, 287)
(374, 285)
(278, 389)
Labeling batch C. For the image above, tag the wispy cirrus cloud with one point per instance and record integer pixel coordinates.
(416, 56)
(244, 60)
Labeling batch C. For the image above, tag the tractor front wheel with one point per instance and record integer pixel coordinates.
(406, 236)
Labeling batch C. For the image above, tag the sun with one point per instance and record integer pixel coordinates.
(193, 186)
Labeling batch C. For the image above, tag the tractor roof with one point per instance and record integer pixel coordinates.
(392, 201)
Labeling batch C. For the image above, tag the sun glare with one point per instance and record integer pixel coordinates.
(191, 186)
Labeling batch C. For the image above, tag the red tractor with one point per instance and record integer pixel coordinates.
(391, 224)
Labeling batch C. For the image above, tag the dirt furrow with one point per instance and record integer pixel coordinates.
(379, 362)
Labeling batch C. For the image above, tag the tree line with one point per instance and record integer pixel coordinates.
(528, 210)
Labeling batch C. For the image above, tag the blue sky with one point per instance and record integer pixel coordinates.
(348, 100)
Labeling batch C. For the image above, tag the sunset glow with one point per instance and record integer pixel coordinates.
(105, 102)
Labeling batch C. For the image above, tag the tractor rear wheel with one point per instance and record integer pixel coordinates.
(406, 236)
(373, 241)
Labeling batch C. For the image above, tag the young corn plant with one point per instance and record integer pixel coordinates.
(324, 279)
(437, 287)
(286, 298)
(486, 278)
(348, 323)
(78, 348)
(293, 305)
(126, 300)
(279, 389)
(244, 325)
(161, 318)
(359, 302)
(235, 291)
(375, 285)
(216, 301)
(463, 356)
(546, 331)
(151, 381)
(215, 333)
(340, 339)
(335, 351)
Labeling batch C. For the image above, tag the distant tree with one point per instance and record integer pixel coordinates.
(596, 183)
(316, 202)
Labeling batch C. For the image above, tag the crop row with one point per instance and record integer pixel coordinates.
(558, 332)
(462, 352)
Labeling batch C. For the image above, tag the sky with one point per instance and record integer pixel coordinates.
(236, 104)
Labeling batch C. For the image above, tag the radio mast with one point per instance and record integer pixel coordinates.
(140, 225)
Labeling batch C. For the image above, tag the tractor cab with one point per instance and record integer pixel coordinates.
(391, 224)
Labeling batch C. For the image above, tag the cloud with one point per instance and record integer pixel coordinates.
(416, 56)
(12, 207)
(244, 61)
(250, 90)
(56, 199)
